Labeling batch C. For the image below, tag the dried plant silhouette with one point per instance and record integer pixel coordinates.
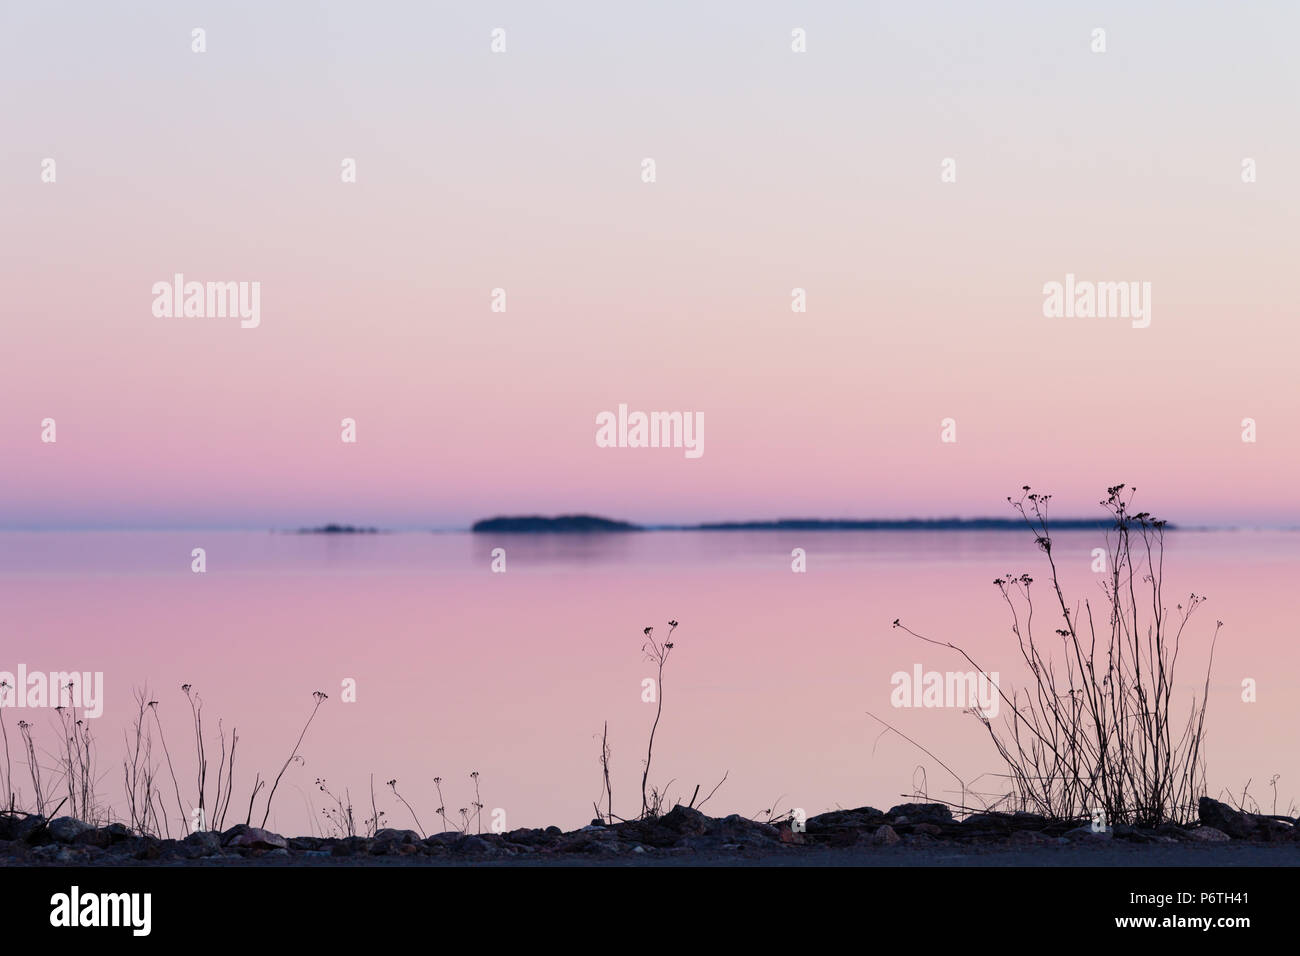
(657, 653)
(320, 699)
(1094, 727)
(653, 798)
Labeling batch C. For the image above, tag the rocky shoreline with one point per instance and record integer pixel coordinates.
(681, 834)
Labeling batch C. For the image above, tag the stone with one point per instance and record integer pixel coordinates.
(1274, 830)
(255, 838)
(530, 838)
(67, 829)
(589, 840)
(398, 836)
(921, 813)
(845, 819)
(886, 836)
(987, 821)
(18, 826)
(472, 844)
(143, 848)
(1223, 818)
(104, 837)
(203, 843)
(682, 819)
(228, 836)
(744, 832)
(1207, 835)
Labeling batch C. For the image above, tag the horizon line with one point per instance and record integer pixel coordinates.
(1065, 523)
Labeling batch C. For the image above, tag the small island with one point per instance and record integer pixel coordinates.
(564, 524)
(338, 529)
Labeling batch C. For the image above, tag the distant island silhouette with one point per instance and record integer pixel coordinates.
(338, 529)
(586, 524)
(564, 524)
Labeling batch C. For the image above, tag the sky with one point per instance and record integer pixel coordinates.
(523, 171)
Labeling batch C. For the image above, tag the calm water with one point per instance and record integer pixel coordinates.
(459, 669)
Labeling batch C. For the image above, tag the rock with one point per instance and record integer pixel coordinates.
(104, 837)
(203, 843)
(921, 813)
(67, 829)
(682, 819)
(398, 836)
(143, 848)
(529, 838)
(638, 849)
(1207, 835)
(1274, 830)
(858, 819)
(987, 821)
(279, 852)
(35, 830)
(306, 843)
(1223, 818)
(886, 836)
(254, 838)
(472, 844)
(744, 832)
(927, 829)
(18, 826)
(1029, 838)
(589, 840)
(1241, 825)
(350, 846)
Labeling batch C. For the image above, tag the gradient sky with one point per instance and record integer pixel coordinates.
(521, 171)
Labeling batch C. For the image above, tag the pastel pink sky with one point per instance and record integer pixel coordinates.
(521, 171)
